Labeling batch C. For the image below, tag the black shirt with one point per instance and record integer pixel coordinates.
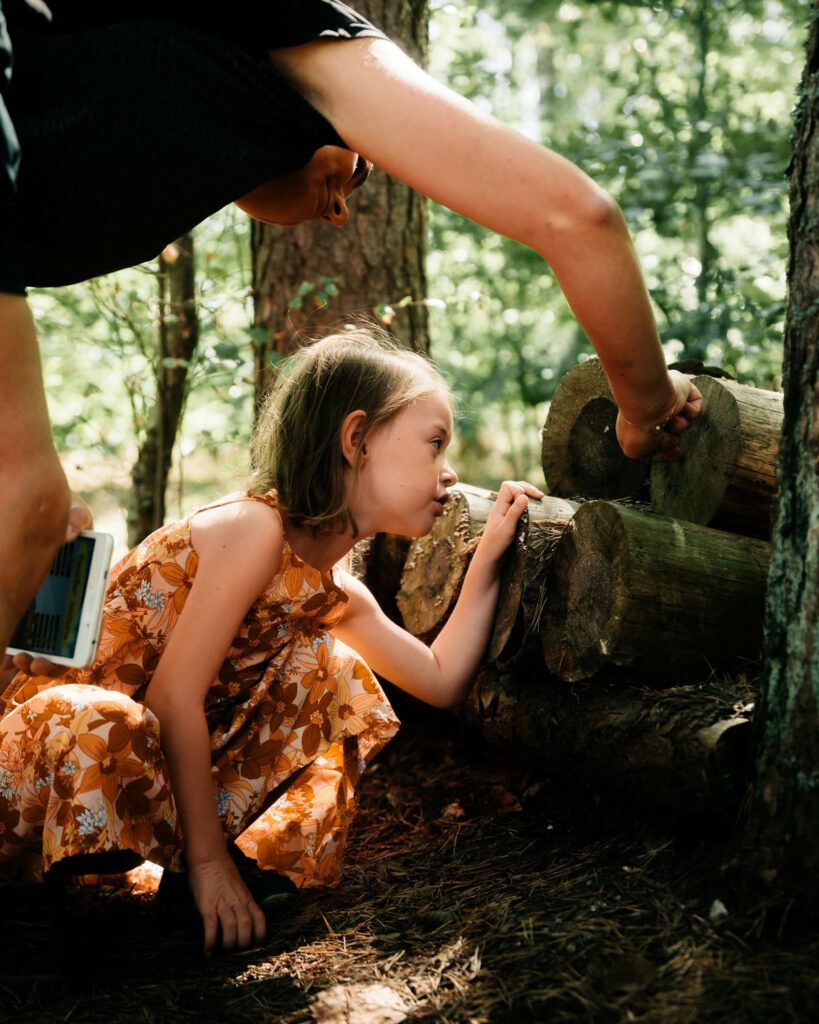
(133, 128)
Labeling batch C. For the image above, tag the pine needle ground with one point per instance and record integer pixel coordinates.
(476, 892)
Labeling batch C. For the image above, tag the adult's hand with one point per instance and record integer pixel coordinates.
(639, 441)
(79, 519)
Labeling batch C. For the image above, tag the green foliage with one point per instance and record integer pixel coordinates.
(682, 111)
(100, 356)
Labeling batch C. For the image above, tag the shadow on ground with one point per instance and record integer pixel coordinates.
(476, 892)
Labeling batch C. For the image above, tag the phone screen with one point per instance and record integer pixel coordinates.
(52, 622)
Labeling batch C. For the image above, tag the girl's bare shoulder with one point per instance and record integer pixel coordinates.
(239, 531)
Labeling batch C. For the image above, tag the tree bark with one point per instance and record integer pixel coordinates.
(669, 599)
(781, 835)
(377, 259)
(684, 748)
(580, 453)
(727, 476)
(178, 337)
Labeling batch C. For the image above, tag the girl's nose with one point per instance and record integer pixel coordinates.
(337, 214)
(449, 475)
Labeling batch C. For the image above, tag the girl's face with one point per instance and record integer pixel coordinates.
(317, 191)
(404, 473)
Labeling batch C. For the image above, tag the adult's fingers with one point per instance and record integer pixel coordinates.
(38, 666)
(79, 518)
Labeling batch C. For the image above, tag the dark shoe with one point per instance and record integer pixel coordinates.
(269, 889)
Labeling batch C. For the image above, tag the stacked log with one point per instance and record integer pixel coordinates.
(626, 632)
(580, 453)
(727, 476)
(435, 565)
(668, 599)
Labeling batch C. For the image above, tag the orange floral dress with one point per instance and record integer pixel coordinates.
(294, 717)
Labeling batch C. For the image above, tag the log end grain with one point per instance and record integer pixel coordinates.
(434, 568)
(695, 488)
(580, 453)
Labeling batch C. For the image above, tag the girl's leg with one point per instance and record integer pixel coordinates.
(339, 719)
(82, 773)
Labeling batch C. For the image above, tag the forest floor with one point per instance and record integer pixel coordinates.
(476, 892)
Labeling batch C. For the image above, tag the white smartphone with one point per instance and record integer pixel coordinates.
(63, 621)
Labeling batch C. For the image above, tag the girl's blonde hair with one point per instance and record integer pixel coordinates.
(296, 446)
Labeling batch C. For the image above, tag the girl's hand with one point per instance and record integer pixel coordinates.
(79, 519)
(226, 906)
(499, 532)
(639, 441)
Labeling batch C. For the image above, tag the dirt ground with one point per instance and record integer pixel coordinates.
(476, 892)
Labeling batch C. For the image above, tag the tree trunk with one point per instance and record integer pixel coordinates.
(669, 599)
(376, 260)
(727, 476)
(580, 453)
(782, 829)
(684, 748)
(435, 565)
(177, 340)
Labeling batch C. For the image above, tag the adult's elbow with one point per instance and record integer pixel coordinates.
(582, 220)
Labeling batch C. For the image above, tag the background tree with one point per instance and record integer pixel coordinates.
(309, 277)
(177, 337)
(782, 826)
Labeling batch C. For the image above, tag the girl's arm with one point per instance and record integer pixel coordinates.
(443, 673)
(239, 548)
(390, 111)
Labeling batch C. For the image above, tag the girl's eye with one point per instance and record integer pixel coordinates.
(437, 443)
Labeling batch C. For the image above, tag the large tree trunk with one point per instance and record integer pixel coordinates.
(177, 340)
(668, 599)
(377, 259)
(782, 829)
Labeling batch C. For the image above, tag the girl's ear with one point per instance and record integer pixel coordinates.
(352, 435)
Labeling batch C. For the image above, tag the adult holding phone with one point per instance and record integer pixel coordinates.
(137, 120)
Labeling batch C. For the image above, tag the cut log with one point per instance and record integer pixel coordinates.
(436, 564)
(684, 748)
(580, 454)
(727, 476)
(523, 586)
(670, 599)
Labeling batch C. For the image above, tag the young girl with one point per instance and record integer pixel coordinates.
(232, 703)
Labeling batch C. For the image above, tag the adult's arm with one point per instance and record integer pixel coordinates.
(35, 497)
(392, 112)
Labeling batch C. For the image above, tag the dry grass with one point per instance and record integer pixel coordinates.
(476, 892)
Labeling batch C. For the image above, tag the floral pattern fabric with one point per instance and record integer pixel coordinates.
(294, 717)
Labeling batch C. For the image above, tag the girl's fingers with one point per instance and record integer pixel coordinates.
(259, 922)
(211, 922)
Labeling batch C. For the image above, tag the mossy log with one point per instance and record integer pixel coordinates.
(727, 476)
(435, 565)
(580, 454)
(669, 599)
(684, 748)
